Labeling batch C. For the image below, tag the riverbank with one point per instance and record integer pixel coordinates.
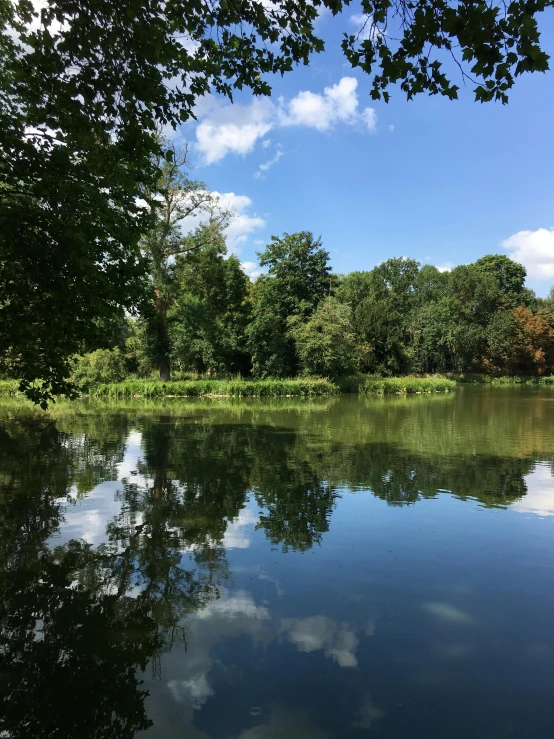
(297, 387)
(502, 381)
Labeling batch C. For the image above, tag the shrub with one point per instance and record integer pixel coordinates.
(101, 366)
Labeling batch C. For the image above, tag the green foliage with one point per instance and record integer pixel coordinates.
(237, 387)
(9, 387)
(381, 301)
(211, 311)
(509, 277)
(174, 198)
(100, 366)
(298, 278)
(397, 385)
(326, 344)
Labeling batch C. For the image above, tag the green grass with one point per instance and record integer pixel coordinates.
(297, 387)
(373, 385)
(9, 387)
(222, 388)
(503, 381)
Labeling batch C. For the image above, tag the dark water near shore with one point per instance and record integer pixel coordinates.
(341, 567)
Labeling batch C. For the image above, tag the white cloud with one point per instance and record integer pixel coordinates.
(535, 250)
(266, 143)
(237, 533)
(251, 269)
(319, 632)
(338, 103)
(259, 174)
(233, 128)
(226, 128)
(365, 26)
(240, 605)
(446, 267)
(242, 221)
(369, 117)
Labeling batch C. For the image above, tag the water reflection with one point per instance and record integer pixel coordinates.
(156, 572)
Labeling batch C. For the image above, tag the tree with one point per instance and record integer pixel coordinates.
(174, 199)
(84, 86)
(212, 306)
(381, 317)
(431, 337)
(510, 278)
(326, 343)
(537, 331)
(298, 277)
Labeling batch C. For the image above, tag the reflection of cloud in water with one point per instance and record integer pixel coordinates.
(367, 714)
(540, 493)
(448, 613)
(240, 605)
(283, 724)
(237, 534)
(267, 578)
(455, 651)
(87, 517)
(370, 628)
(197, 690)
(319, 632)
(133, 454)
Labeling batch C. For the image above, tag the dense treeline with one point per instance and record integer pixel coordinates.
(201, 315)
(300, 318)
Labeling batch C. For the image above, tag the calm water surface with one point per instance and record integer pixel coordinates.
(341, 567)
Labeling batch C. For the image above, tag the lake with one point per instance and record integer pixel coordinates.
(306, 569)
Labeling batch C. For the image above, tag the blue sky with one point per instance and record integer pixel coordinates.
(443, 182)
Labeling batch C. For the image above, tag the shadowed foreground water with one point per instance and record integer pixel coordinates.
(341, 567)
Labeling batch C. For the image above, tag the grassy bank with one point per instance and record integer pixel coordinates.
(502, 381)
(297, 387)
(238, 388)
(9, 387)
(396, 385)
(222, 388)
(274, 388)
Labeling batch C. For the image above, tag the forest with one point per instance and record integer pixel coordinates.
(201, 316)
(208, 319)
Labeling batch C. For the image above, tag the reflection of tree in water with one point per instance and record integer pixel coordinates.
(77, 623)
(291, 483)
(401, 478)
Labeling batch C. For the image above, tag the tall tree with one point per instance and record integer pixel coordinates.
(298, 277)
(509, 277)
(212, 306)
(381, 318)
(174, 199)
(326, 343)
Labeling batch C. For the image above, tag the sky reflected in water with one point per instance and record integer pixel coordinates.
(342, 567)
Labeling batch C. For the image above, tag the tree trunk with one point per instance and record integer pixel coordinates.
(165, 369)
